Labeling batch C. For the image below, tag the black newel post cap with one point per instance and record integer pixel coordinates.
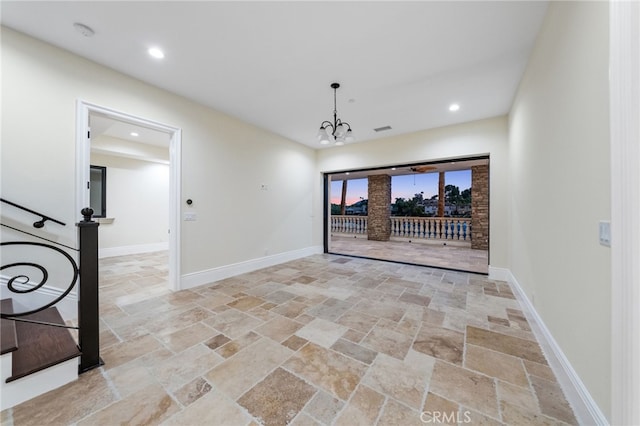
(87, 212)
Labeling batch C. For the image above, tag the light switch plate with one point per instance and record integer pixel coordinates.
(605, 233)
(190, 217)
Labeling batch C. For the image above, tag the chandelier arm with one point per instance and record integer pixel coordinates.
(329, 124)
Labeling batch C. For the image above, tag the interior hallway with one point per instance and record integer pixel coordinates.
(317, 341)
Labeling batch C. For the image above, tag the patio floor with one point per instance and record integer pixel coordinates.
(428, 254)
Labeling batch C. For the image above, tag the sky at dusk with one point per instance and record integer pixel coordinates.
(402, 186)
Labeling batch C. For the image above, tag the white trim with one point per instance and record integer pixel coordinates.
(499, 274)
(584, 407)
(127, 250)
(83, 149)
(175, 195)
(624, 104)
(209, 276)
(68, 307)
(26, 388)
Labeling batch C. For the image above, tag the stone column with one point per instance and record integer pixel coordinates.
(379, 222)
(441, 194)
(480, 207)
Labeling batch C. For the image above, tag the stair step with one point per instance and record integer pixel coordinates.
(41, 346)
(8, 330)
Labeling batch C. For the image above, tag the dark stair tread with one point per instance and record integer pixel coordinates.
(8, 330)
(41, 346)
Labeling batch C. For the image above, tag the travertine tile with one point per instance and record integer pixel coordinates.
(396, 379)
(183, 367)
(322, 332)
(131, 377)
(187, 337)
(355, 351)
(541, 370)
(506, 344)
(465, 387)
(387, 341)
(496, 364)
(294, 342)
(278, 398)
(121, 353)
(233, 323)
(395, 414)
(216, 341)
(90, 393)
(514, 415)
(229, 349)
(324, 407)
(551, 399)
(331, 371)
(362, 409)
(355, 332)
(192, 391)
(439, 410)
(245, 303)
(239, 373)
(441, 343)
(279, 328)
(358, 321)
(519, 396)
(148, 406)
(212, 409)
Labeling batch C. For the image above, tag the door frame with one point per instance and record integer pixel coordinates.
(83, 152)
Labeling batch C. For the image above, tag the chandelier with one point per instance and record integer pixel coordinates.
(337, 132)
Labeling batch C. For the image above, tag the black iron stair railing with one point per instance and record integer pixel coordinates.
(43, 217)
(86, 271)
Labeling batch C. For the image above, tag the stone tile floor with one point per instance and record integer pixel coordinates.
(324, 340)
(450, 256)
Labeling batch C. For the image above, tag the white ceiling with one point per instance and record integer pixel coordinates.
(400, 64)
(107, 126)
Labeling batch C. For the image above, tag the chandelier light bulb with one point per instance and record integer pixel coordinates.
(349, 137)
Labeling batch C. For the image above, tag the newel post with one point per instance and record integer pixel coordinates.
(88, 313)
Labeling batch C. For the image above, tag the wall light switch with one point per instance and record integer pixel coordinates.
(190, 217)
(605, 233)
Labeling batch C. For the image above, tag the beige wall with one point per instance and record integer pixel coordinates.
(464, 140)
(224, 160)
(137, 200)
(560, 180)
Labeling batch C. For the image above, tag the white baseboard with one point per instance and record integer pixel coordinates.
(127, 250)
(499, 274)
(585, 408)
(209, 276)
(68, 307)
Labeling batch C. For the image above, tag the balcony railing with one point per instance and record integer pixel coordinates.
(427, 228)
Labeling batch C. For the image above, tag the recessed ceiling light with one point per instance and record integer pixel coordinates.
(454, 107)
(134, 134)
(347, 173)
(156, 53)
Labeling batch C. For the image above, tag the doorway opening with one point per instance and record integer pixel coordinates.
(429, 214)
(108, 137)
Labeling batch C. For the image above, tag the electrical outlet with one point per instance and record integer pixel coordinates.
(264, 187)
